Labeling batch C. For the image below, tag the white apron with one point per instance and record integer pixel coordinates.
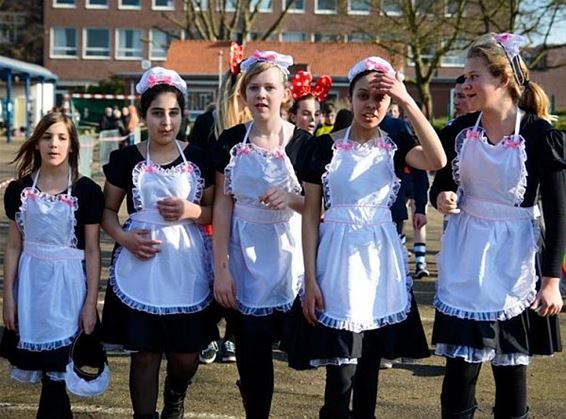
(487, 261)
(265, 250)
(177, 279)
(361, 266)
(51, 282)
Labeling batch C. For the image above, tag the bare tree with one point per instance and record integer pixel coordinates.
(217, 20)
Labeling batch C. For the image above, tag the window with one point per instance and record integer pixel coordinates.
(227, 5)
(424, 7)
(163, 4)
(198, 4)
(97, 4)
(256, 36)
(298, 6)
(359, 37)
(427, 53)
(64, 3)
(63, 42)
(457, 56)
(96, 43)
(198, 100)
(325, 6)
(129, 43)
(11, 27)
(129, 4)
(293, 37)
(358, 7)
(159, 44)
(264, 6)
(326, 37)
(391, 7)
(451, 7)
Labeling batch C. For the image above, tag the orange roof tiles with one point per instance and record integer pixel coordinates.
(197, 57)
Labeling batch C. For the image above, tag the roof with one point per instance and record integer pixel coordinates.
(199, 58)
(21, 68)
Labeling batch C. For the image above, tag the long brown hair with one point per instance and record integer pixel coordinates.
(28, 159)
(530, 96)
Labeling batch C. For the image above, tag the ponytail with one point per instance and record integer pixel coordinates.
(535, 100)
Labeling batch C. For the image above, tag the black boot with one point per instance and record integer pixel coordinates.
(54, 401)
(153, 415)
(173, 399)
(465, 414)
(501, 414)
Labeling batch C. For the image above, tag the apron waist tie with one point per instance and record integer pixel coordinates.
(358, 214)
(52, 251)
(261, 215)
(495, 211)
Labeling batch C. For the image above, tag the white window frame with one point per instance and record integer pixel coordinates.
(196, 91)
(151, 47)
(95, 6)
(117, 55)
(57, 5)
(96, 57)
(365, 35)
(52, 44)
(292, 9)
(260, 9)
(382, 10)
(154, 6)
(318, 11)
(428, 13)
(227, 9)
(358, 12)
(125, 7)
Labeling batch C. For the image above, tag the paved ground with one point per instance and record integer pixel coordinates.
(406, 391)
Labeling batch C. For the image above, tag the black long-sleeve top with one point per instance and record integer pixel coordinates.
(545, 147)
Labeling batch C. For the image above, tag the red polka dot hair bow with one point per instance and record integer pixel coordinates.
(236, 57)
(301, 86)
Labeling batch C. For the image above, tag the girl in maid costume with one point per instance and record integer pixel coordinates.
(357, 285)
(52, 260)
(489, 307)
(257, 211)
(160, 283)
(305, 112)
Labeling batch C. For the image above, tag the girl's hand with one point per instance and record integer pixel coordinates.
(171, 209)
(548, 301)
(391, 85)
(10, 314)
(225, 289)
(276, 199)
(447, 203)
(88, 318)
(312, 301)
(142, 247)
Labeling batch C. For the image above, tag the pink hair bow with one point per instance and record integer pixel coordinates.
(66, 199)
(511, 43)
(159, 75)
(281, 61)
(381, 143)
(472, 134)
(370, 64)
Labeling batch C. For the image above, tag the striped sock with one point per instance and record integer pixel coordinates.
(420, 253)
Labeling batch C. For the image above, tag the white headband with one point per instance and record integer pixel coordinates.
(159, 75)
(279, 60)
(370, 64)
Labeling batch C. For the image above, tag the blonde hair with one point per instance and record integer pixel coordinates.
(228, 107)
(258, 68)
(530, 96)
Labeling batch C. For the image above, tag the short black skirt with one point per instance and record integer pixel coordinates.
(405, 339)
(139, 331)
(55, 360)
(528, 333)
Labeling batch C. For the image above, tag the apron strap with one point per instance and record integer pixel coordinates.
(148, 159)
(69, 181)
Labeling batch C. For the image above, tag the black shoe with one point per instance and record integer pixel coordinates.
(421, 271)
(173, 401)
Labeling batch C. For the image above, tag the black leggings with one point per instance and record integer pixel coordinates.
(54, 401)
(255, 335)
(362, 380)
(459, 388)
